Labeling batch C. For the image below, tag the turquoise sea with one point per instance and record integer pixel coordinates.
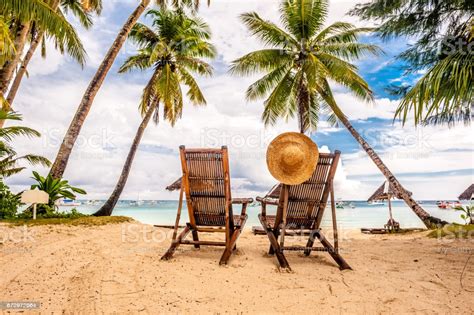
(363, 215)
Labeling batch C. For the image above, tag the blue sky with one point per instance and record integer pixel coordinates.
(434, 163)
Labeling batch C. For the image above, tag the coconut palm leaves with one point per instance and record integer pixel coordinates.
(443, 34)
(445, 94)
(300, 60)
(9, 160)
(46, 18)
(172, 47)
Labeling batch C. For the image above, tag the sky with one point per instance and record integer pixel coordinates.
(432, 162)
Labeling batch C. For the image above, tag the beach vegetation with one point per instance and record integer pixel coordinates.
(9, 202)
(84, 220)
(56, 189)
(10, 162)
(300, 61)
(453, 231)
(442, 50)
(174, 47)
(467, 213)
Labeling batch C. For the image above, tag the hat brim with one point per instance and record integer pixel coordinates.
(299, 173)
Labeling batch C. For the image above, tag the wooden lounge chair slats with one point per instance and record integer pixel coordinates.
(300, 210)
(206, 185)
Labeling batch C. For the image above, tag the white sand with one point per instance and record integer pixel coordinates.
(117, 269)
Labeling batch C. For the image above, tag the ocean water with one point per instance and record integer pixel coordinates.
(363, 215)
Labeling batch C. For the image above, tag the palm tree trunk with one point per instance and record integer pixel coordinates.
(77, 122)
(6, 73)
(26, 60)
(427, 219)
(7, 70)
(21, 72)
(109, 205)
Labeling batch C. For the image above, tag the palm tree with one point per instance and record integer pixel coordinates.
(172, 48)
(443, 35)
(445, 94)
(82, 9)
(9, 160)
(302, 58)
(21, 16)
(62, 158)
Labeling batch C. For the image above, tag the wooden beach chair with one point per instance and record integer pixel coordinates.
(206, 185)
(300, 209)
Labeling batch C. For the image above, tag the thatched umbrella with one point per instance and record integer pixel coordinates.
(175, 186)
(386, 192)
(468, 194)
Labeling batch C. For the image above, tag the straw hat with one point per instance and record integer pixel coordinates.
(292, 158)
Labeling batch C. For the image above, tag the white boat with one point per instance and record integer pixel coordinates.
(68, 203)
(376, 203)
(93, 202)
(137, 203)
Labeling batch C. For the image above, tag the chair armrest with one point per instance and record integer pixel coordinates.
(241, 201)
(244, 202)
(266, 200)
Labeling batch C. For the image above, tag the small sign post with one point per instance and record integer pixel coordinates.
(34, 197)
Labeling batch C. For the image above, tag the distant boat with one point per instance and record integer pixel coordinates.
(136, 203)
(68, 203)
(376, 203)
(444, 204)
(93, 202)
(341, 203)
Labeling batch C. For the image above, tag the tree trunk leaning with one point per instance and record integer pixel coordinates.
(77, 122)
(8, 69)
(428, 220)
(22, 70)
(108, 207)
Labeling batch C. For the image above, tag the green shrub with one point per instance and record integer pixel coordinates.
(50, 213)
(9, 202)
(56, 189)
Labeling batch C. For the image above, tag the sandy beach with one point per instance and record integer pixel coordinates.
(116, 268)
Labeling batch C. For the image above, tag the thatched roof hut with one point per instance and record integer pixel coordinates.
(384, 192)
(468, 194)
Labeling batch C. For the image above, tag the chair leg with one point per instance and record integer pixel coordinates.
(230, 248)
(274, 246)
(271, 251)
(278, 252)
(334, 254)
(176, 244)
(310, 243)
(195, 238)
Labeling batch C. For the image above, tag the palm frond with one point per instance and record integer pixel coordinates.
(443, 91)
(345, 73)
(264, 85)
(303, 18)
(261, 60)
(194, 92)
(267, 31)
